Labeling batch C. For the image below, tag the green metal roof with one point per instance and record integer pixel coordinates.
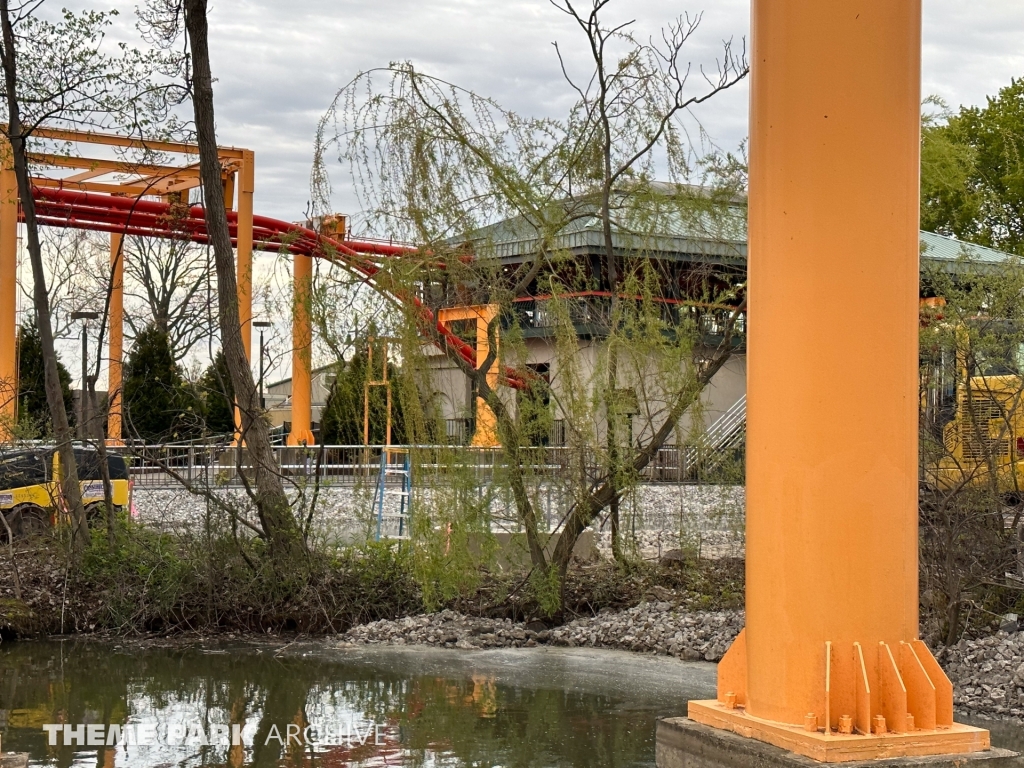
(702, 235)
(675, 231)
(941, 250)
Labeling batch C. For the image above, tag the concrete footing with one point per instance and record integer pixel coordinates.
(683, 743)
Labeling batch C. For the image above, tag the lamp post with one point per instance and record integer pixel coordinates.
(261, 324)
(84, 411)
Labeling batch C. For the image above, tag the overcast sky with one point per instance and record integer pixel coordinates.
(278, 64)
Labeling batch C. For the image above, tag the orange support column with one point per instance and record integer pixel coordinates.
(829, 665)
(243, 259)
(8, 302)
(485, 435)
(116, 349)
(302, 349)
(243, 262)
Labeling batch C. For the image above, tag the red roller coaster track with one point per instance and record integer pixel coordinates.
(150, 218)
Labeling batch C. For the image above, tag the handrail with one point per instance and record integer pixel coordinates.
(723, 434)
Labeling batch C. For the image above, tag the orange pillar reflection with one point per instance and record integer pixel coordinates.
(832, 577)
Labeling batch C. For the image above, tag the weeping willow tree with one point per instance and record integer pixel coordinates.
(463, 178)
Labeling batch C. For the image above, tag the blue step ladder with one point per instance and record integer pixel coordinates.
(394, 462)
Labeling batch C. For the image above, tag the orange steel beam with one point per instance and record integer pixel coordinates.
(830, 664)
(120, 189)
(243, 258)
(8, 301)
(149, 178)
(243, 261)
(302, 348)
(486, 433)
(114, 140)
(112, 166)
(116, 349)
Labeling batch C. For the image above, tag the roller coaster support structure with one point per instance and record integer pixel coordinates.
(138, 198)
(830, 664)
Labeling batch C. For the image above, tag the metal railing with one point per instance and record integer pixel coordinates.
(712, 448)
(460, 432)
(220, 464)
(164, 466)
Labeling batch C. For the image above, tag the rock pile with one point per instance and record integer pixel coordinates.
(988, 676)
(647, 628)
(656, 628)
(448, 629)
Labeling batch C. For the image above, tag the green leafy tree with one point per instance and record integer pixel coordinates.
(156, 398)
(972, 171)
(33, 411)
(218, 396)
(342, 420)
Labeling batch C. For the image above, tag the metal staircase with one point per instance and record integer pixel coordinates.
(714, 446)
(391, 524)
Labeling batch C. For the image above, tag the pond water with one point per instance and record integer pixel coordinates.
(362, 706)
(309, 704)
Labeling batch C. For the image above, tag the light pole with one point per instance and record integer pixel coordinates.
(261, 324)
(84, 411)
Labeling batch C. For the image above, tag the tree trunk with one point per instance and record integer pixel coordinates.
(71, 491)
(94, 432)
(583, 513)
(276, 518)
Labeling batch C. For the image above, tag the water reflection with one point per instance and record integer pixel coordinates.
(374, 710)
(307, 706)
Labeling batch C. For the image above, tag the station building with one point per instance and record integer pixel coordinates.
(699, 257)
(700, 261)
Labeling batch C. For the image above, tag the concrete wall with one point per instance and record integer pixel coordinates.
(278, 395)
(452, 390)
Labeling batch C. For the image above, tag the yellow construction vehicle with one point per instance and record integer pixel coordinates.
(973, 397)
(30, 486)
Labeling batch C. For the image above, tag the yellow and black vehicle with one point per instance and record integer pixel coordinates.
(30, 486)
(973, 401)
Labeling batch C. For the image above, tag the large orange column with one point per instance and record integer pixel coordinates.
(829, 664)
(116, 348)
(832, 366)
(302, 349)
(8, 300)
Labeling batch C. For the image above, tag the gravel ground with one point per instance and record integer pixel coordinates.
(647, 628)
(987, 674)
(706, 518)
